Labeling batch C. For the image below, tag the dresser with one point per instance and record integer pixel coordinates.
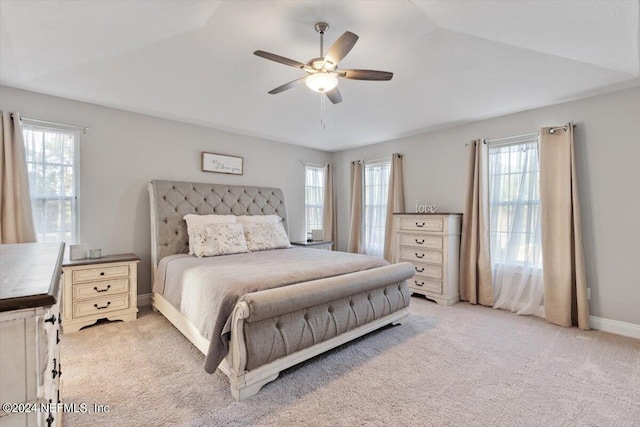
(431, 242)
(101, 288)
(30, 366)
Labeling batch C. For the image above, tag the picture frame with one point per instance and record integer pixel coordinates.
(221, 163)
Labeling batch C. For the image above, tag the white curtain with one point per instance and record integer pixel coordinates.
(376, 187)
(355, 215)
(329, 208)
(515, 237)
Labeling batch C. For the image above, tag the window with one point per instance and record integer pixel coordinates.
(376, 188)
(515, 203)
(52, 164)
(515, 233)
(314, 197)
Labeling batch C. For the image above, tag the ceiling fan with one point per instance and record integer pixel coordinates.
(322, 72)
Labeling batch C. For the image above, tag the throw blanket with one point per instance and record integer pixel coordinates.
(205, 290)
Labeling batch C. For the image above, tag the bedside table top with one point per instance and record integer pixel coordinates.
(102, 260)
(313, 243)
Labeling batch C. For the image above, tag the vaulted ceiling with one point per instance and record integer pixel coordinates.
(453, 61)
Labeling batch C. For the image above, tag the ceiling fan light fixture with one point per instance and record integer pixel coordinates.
(321, 82)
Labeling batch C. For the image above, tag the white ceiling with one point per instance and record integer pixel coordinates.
(453, 61)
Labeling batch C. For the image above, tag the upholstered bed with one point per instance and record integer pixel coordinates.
(312, 302)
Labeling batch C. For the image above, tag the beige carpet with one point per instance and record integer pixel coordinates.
(458, 365)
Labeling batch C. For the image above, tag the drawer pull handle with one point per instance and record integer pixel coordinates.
(59, 369)
(49, 420)
(102, 307)
(52, 319)
(420, 225)
(419, 270)
(54, 373)
(102, 273)
(419, 284)
(419, 241)
(95, 288)
(58, 336)
(420, 256)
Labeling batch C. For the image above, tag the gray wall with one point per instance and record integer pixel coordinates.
(607, 139)
(123, 151)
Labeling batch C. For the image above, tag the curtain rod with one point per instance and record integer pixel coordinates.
(551, 130)
(45, 122)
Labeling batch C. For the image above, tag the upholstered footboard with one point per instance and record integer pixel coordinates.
(278, 328)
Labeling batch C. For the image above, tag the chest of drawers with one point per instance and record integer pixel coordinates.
(431, 242)
(100, 288)
(30, 367)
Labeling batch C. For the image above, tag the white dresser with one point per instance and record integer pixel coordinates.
(431, 242)
(101, 288)
(30, 367)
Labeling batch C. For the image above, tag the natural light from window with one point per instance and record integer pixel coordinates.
(376, 187)
(314, 197)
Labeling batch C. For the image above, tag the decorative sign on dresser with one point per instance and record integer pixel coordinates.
(99, 288)
(431, 242)
(30, 367)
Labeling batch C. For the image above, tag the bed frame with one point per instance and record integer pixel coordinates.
(384, 287)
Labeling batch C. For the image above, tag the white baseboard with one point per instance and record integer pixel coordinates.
(615, 327)
(144, 300)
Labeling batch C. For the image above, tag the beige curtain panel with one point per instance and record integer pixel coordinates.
(476, 282)
(565, 285)
(395, 203)
(329, 208)
(355, 219)
(16, 220)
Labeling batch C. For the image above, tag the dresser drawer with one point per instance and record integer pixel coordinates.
(101, 273)
(422, 224)
(421, 283)
(421, 255)
(420, 241)
(426, 270)
(101, 305)
(102, 288)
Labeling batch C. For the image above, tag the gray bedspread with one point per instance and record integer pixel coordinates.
(205, 290)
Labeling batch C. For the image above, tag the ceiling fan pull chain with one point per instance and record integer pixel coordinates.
(322, 109)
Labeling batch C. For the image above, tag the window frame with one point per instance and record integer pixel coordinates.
(36, 125)
(366, 164)
(307, 206)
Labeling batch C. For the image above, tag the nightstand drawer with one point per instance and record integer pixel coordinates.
(101, 305)
(425, 284)
(100, 289)
(421, 255)
(421, 240)
(101, 273)
(422, 224)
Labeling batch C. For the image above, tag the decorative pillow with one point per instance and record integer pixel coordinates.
(194, 221)
(261, 236)
(217, 239)
(273, 219)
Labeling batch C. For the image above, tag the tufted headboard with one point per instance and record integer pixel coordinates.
(171, 200)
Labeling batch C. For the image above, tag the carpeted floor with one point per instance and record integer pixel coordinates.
(458, 365)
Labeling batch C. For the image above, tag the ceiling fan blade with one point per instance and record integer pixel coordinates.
(280, 59)
(287, 86)
(365, 74)
(334, 95)
(341, 47)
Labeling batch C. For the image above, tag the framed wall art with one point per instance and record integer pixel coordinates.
(220, 163)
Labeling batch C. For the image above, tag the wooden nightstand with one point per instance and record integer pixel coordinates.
(315, 244)
(99, 288)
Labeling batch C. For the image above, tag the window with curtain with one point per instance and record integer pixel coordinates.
(52, 164)
(515, 233)
(314, 197)
(376, 188)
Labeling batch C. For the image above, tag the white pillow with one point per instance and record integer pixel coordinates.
(217, 239)
(261, 236)
(253, 219)
(194, 221)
